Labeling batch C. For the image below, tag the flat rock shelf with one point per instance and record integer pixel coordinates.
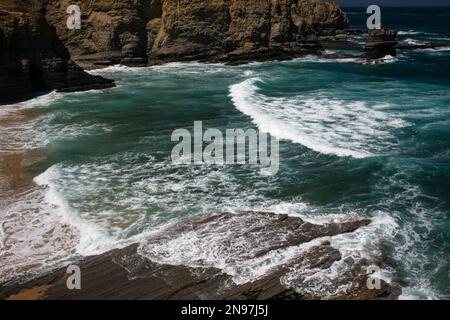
(136, 272)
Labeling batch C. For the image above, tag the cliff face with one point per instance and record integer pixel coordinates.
(111, 30)
(140, 31)
(323, 17)
(32, 58)
(39, 53)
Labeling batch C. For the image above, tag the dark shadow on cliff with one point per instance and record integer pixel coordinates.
(34, 61)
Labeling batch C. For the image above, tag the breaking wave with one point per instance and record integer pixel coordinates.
(335, 127)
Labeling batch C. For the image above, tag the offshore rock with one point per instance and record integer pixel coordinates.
(381, 42)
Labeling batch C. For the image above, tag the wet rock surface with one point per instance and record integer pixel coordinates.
(381, 42)
(222, 248)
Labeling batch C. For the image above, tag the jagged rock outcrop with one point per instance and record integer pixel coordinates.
(39, 53)
(135, 32)
(132, 273)
(32, 58)
(111, 32)
(381, 42)
(325, 18)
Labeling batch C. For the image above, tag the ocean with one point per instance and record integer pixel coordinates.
(356, 140)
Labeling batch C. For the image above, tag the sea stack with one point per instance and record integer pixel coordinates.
(381, 43)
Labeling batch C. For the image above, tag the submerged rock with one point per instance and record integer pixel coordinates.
(246, 256)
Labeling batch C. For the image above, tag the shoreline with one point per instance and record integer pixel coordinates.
(129, 274)
(123, 281)
(12, 174)
(51, 285)
(17, 172)
(372, 51)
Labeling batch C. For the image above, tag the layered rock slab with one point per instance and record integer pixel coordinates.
(145, 271)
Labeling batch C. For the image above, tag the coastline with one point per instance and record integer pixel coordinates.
(13, 177)
(128, 274)
(51, 284)
(17, 171)
(18, 177)
(42, 220)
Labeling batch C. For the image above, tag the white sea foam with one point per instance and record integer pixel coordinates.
(32, 237)
(232, 248)
(414, 32)
(225, 248)
(39, 101)
(410, 32)
(441, 49)
(173, 67)
(386, 59)
(365, 242)
(323, 125)
(360, 245)
(417, 221)
(20, 132)
(69, 191)
(439, 38)
(389, 59)
(415, 41)
(92, 238)
(114, 68)
(351, 60)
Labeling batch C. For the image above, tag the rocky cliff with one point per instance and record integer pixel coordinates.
(39, 53)
(32, 58)
(137, 32)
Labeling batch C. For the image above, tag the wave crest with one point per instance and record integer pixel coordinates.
(336, 127)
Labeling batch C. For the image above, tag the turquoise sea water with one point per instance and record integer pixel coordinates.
(356, 140)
